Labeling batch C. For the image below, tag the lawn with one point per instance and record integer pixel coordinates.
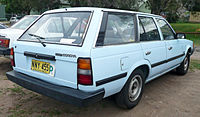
(189, 27)
(195, 64)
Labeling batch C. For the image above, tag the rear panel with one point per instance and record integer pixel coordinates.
(64, 66)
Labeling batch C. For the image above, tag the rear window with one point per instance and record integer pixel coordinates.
(1, 27)
(24, 22)
(64, 28)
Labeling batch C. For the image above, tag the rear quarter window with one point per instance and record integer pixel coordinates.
(120, 29)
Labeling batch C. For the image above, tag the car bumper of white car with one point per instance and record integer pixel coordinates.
(61, 93)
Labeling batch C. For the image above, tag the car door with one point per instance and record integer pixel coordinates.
(173, 45)
(154, 49)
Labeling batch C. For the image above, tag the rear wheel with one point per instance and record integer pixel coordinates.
(132, 92)
(183, 68)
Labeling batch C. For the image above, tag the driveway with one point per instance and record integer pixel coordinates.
(167, 96)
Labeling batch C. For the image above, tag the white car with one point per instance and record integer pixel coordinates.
(3, 26)
(13, 20)
(82, 55)
(9, 35)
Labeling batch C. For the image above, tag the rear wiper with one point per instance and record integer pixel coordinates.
(38, 38)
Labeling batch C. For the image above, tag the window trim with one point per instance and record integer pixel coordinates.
(168, 26)
(153, 18)
(84, 34)
(104, 22)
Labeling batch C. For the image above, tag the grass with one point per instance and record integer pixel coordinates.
(17, 89)
(189, 27)
(17, 113)
(195, 64)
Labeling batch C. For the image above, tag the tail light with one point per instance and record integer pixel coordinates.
(84, 73)
(4, 42)
(12, 57)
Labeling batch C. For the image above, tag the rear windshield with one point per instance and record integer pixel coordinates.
(2, 27)
(24, 22)
(64, 28)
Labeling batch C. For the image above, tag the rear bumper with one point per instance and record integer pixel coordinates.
(64, 94)
(4, 51)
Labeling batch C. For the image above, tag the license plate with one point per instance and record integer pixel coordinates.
(40, 66)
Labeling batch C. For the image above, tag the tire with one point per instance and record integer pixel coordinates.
(132, 92)
(183, 68)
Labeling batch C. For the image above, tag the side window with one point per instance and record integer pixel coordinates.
(120, 29)
(148, 29)
(166, 30)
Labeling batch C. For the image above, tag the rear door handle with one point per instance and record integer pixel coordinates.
(148, 53)
(39, 56)
(170, 48)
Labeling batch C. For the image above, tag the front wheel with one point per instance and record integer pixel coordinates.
(183, 68)
(132, 92)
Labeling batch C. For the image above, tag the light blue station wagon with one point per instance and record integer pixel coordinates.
(82, 55)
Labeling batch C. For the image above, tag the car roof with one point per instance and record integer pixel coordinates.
(98, 9)
(31, 15)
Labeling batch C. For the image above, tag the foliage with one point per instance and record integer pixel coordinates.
(168, 7)
(118, 4)
(195, 64)
(25, 6)
(192, 5)
(17, 6)
(42, 5)
(196, 6)
(189, 27)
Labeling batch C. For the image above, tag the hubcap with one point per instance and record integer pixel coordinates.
(185, 63)
(135, 87)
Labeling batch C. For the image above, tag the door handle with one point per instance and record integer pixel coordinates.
(170, 48)
(148, 53)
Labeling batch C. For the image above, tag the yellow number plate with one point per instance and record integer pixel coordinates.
(40, 66)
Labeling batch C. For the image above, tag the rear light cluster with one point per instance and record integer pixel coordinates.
(12, 58)
(84, 73)
(4, 42)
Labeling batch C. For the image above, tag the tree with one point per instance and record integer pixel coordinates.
(42, 5)
(118, 4)
(159, 6)
(17, 6)
(196, 6)
(25, 6)
(192, 5)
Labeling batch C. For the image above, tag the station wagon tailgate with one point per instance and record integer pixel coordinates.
(50, 63)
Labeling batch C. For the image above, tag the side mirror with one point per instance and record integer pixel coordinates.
(180, 36)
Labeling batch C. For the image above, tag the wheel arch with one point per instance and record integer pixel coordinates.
(188, 50)
(144, 65)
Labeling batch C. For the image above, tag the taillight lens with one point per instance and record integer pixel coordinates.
(84, 72)
(4, 42)
(12, 57)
